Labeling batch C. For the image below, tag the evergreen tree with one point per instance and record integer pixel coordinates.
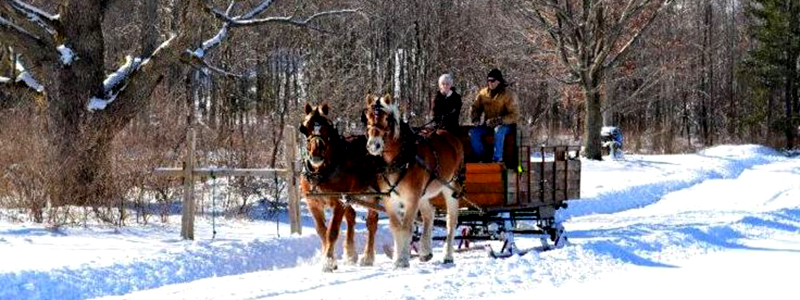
(774, 59)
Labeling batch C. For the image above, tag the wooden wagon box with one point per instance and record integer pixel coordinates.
(547, 181)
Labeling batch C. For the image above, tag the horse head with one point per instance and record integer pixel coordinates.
(383, 124)
(320, 135)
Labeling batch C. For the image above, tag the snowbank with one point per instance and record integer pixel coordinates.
(644, 214)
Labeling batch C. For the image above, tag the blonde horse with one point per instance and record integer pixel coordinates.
(417, 170)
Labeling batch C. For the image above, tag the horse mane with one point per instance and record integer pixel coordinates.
(357, 159)
(393, 109)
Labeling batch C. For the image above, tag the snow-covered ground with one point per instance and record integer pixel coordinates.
(721, 223)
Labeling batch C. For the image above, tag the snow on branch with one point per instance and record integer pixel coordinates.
(197, 56)
(290, 19)
(200, 52)
(67, 55)
(248, 19)
(4, 79)
(114, 83)
(99, 103)
(117, 81)
(114, 79)
(27, 78)
(46, 21)
(35, 11)
(257, 10)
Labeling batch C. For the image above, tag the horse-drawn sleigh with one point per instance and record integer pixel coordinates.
(422, 174)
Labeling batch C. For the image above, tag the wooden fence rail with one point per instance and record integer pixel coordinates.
(190, 173)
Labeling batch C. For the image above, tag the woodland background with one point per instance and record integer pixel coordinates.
(675, 76)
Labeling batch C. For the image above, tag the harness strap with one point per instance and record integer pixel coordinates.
(393, 186)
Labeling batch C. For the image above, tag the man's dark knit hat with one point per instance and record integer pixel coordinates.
(496, 74)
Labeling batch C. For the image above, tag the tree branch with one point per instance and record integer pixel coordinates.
(115, 83)
(43, 22)
(34, 50)
(625, 48)
(248, 20)
(556, 34)
(38, 12)
(289, 20)
(257, 10)
(650, 81)
(8, 29)
(12, 88)
(200, 63)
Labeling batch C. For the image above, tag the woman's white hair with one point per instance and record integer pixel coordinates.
(446, 78)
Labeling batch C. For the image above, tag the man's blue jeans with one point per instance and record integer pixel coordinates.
(500, 133)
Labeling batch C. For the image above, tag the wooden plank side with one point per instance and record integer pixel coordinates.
(484, 168)
(438, 202)
(494, 187)
(560, 185)
(485, 178)
(572, 165)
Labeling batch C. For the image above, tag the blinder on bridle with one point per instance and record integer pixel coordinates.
(316, 133)
(376, 109)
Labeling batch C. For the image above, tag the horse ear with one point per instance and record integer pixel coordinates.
(308, 108)
(369, 99)
(364, 117)
(388, 99)
(324, 109)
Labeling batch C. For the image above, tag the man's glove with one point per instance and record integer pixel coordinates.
(494, 122)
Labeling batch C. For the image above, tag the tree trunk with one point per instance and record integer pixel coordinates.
(148, 16)
(608, 111)
(594, 122)
(707, 81)
(790, 95)
(733, 123)
(77, 145)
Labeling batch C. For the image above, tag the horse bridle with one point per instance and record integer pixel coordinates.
(316, 175)
(316, 134)
(402, 163)
(377, 109)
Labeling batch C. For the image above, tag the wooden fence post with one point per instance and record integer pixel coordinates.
(290, 142)
(187, 219)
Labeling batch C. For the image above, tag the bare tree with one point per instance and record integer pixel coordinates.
(63, 56)
(588, 38)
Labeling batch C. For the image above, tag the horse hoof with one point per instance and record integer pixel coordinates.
(401, 264)
(366, 262)
(425, 258)
(448, 261)
(352, 259)
(329, 269)
(329, 266)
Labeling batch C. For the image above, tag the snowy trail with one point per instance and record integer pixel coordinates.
(679, 218)
(696, 234)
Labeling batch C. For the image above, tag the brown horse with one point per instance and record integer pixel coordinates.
(417, 170)
(336, 165)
